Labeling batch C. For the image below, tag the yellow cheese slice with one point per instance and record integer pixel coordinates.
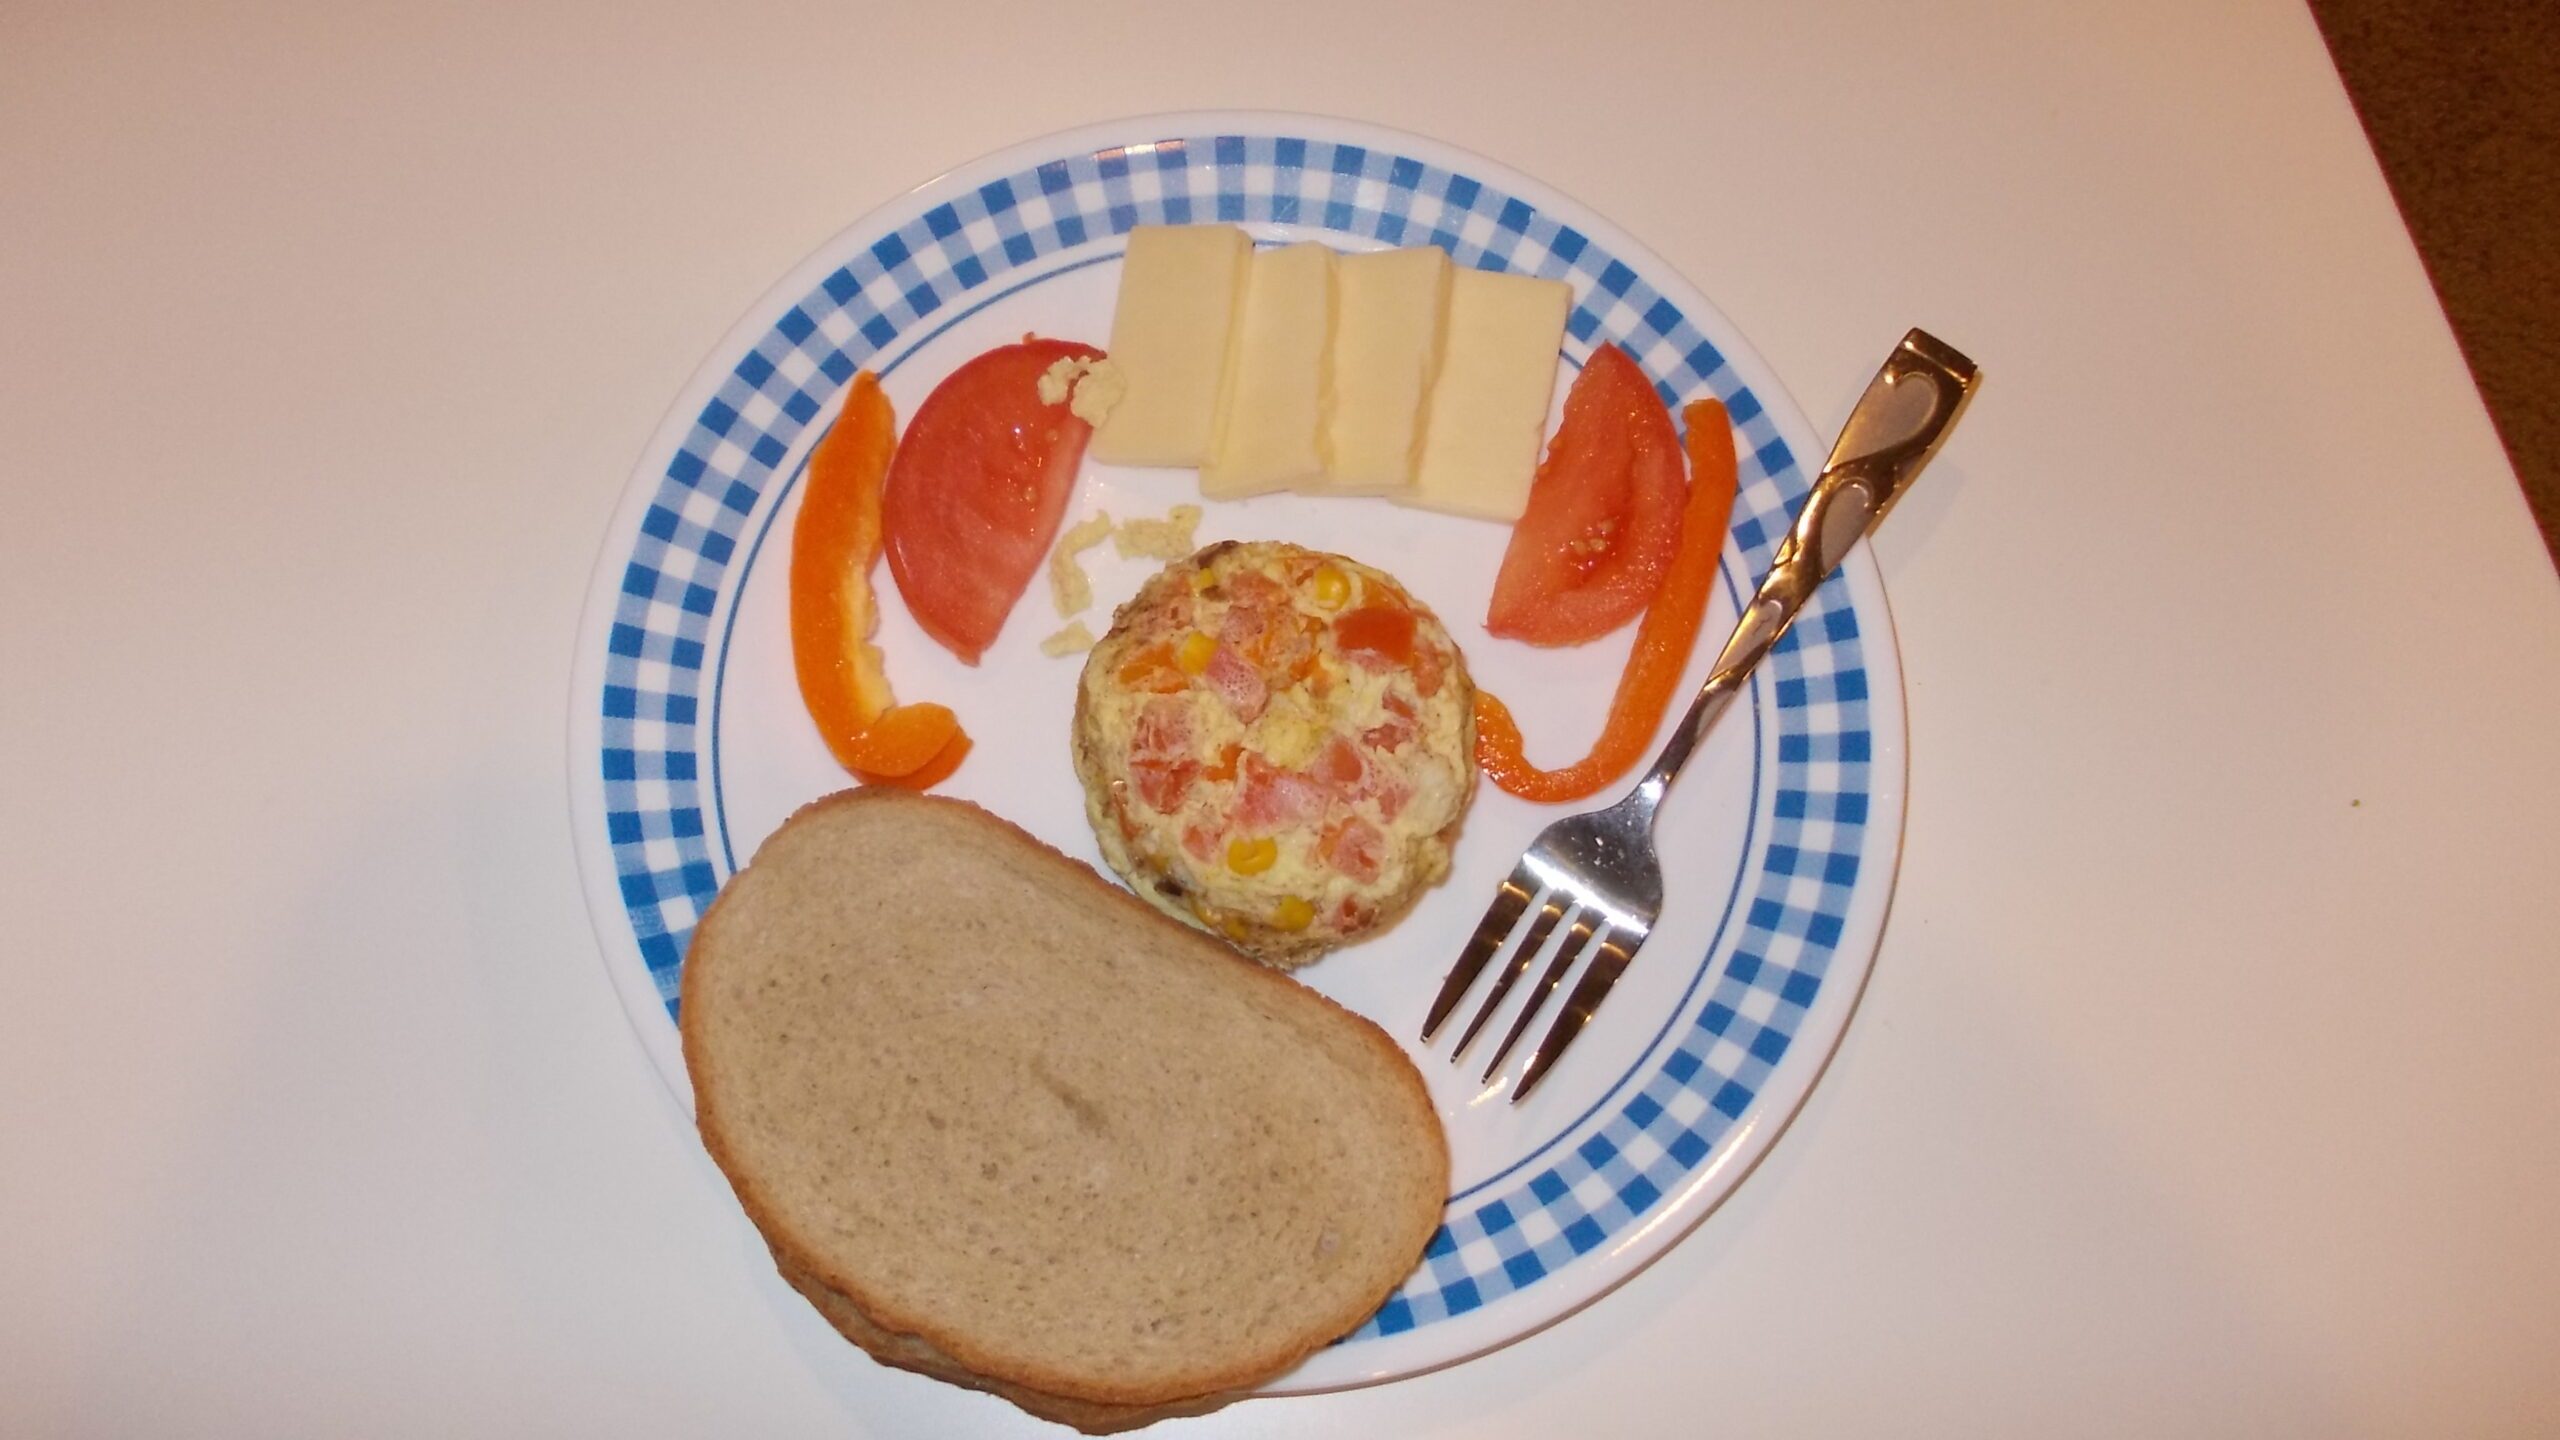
(1271, 406)
(1390, 313)
(1179, 287)
(1488, 407)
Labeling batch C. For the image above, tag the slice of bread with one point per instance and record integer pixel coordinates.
(911, 1353)
(1005, 1124)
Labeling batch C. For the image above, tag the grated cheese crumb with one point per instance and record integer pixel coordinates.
(1166, 539)
(1088, 388)
(1056, 381)
(1073, 640)
(1101, 388)
(1069, 590)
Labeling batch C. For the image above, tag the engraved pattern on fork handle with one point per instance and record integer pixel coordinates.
(1852, 493)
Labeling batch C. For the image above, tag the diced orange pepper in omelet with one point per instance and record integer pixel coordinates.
(1225, 767)
(1153, 670)
(834, 546)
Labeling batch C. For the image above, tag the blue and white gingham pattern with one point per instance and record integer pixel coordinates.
(1489, 1246)
(655, 748)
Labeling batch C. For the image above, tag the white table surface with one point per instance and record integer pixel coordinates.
(2206, 1082)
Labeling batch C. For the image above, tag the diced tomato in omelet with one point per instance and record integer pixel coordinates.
(1237, 683)
(1159, 754)
(1397, 730)
(1344, 766)
(1355, 848)
(977, 489)
(1272, 798)
(1379, 637)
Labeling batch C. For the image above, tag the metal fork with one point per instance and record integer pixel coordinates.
(1596, 873)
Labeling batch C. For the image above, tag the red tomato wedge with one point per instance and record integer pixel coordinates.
(976, 491)
(1663, 641)
(1603, 517)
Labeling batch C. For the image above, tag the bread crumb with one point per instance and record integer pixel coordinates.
(1166, 539)
(1069, 590)
(1074, 640)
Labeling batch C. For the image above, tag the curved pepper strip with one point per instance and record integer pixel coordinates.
(834, 545)
(1663, 640)
(913, 746)
(934, 771)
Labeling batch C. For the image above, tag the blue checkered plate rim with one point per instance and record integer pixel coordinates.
(687, 744)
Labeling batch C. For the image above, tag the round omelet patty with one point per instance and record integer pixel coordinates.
(1276, 744)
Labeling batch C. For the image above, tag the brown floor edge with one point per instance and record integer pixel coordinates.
(2462, 105)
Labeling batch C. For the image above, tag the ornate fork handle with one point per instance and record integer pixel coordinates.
(1896, 426)
(1595, 875)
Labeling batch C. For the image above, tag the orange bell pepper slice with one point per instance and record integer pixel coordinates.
(904, 740)
(1663, 640)
(934, 771)
(834, 546)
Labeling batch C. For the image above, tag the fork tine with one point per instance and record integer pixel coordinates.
(1617, 947)
(1584, 922)
(1491, 931)
(1553, 910)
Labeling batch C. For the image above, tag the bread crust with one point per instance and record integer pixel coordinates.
(914, 1341)
(914, 1352)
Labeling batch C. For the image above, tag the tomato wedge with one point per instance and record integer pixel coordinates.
(1663, 641)
(977, 489)
(1603, 516)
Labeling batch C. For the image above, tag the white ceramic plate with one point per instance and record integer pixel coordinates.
(688, 742)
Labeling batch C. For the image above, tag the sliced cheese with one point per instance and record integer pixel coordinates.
(1390, 309)
(1179, 287)
(1270, 409)
(1488, 407)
